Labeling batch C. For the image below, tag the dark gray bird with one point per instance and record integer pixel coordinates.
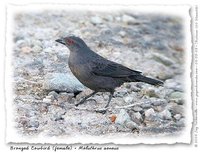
(98, 73)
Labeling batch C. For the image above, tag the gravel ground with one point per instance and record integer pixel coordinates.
(46, 91)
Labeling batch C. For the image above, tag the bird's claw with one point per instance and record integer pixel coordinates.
(102, 111)
(81, 102)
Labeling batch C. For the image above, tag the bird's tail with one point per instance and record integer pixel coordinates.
(141, 78)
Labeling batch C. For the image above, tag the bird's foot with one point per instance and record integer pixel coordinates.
(102, 111)
(83, 101)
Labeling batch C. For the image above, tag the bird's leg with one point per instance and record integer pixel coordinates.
(109, 100)
(85, 98)
(103, 111)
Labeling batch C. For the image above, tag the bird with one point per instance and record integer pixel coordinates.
(98, 73)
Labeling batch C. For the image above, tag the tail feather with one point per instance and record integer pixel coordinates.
(145, 79)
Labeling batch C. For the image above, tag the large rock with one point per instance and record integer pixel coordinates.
(62, 82)
(124, 119)
(128, 19)
(166, 115)
(96, 20)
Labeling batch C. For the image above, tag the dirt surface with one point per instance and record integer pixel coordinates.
(46, 91)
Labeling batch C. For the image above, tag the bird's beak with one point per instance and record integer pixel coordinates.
(60, 41)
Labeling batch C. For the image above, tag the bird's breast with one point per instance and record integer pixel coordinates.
(78, 67)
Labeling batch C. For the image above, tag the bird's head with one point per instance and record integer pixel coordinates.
(72, 42)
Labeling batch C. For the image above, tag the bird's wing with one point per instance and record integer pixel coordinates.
(112, 69)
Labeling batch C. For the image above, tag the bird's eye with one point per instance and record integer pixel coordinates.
(70, 42)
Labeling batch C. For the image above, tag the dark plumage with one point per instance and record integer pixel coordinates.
(96, 72)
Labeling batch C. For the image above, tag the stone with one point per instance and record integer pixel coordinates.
(137, 117)
(96, 20)
(149, 91)
(122, 117)
(149, 113)
(109, 18)
(146, 104)
(122, 33)
(124, 120)
(62, 82)
(26, 49)
(128, 99)
(121, 92)
(162, 59)
(166, 115)
(173, 84)
(33, 124)
(131, 125)
(158, 102)
(50, 97)
(54, 94)
(176, 95)
(177, 117)
(137, 108)
(65, 97)
(170, 83)
(181, 122)
(118, 18)
(128, 19)
(37, 49)
(176, 109)
(46, 100)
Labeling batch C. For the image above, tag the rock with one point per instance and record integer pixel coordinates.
(36, 64)
(137, 117)
(131, 125)
(178, 101)
(181, 122)
(134, 88)
(62, 82)
(112, 117)
(158, 102)
(59, 116)
(149, 113)
(109, 18)
(128, 19)
(146, 104)
(121, 92)
(22, 43)
(33, 124)
(96, 20)
(54, 94)
(176, 109)
(149, 91)
(177, 117)
(170, 83)
(122, 33)
(137, 108)
(124, 120)
(153, 66)
(26, 49)
(46, 100)
(162, 59)
(37, 49)
(166, 115)
(177, 97)
(122, 117)
(65, 97)
(128, 99)
(118, 18)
